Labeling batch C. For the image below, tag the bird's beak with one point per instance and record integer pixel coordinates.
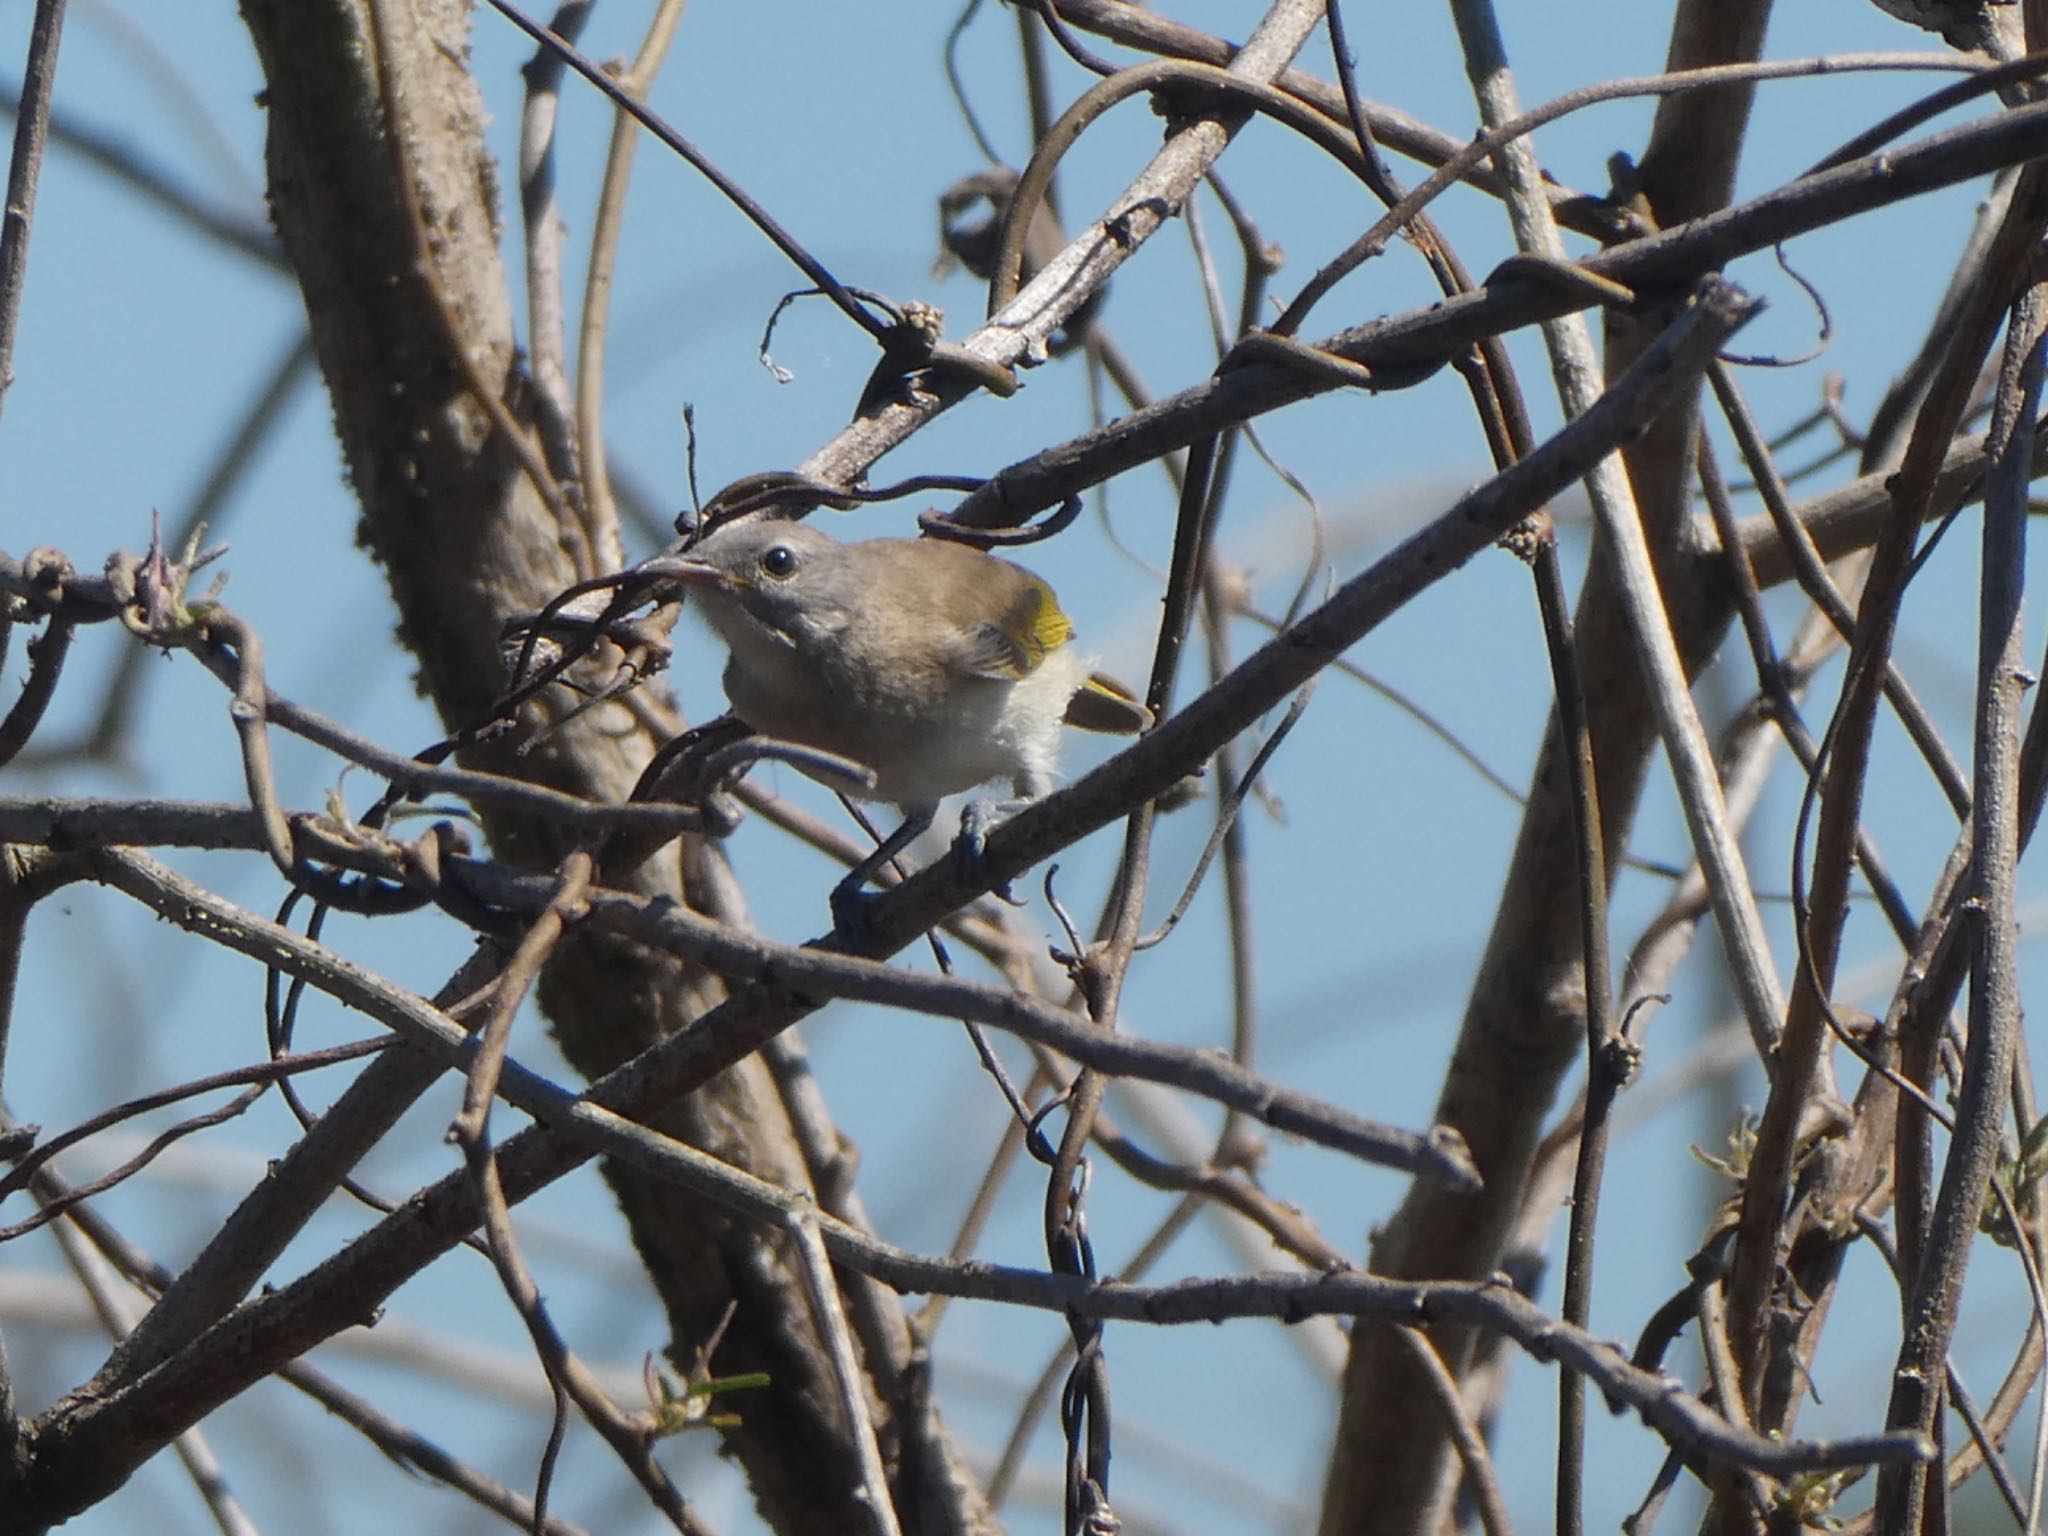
(684, 571)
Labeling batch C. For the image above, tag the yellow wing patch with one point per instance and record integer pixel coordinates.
(1046, 626)
(1032, 630)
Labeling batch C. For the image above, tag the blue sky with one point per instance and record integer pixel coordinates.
(141, 341)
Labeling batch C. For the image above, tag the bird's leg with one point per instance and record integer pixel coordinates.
(850, 900)
(981, 817)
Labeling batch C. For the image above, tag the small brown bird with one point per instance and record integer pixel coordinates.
(937, 667)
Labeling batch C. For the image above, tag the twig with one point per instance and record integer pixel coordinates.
(410, 1448)
(1409, 342)
(811, 267)
(487, 395)
(472, 1125)
(1024, 331)
(1982, 1437)
(1775, 682)
(788, 976)
(228, 224)
(1610, 1059)
(1802, 1058)
(46, 665)
(26, 877)
(594, 329)
(1163, 76)
(112, 733)
(1819, 586)
(117, 1315)
(1678, 722)
(1934, 1291)
(1464, 1436)
(245, 1244)
(261, 1075)
(541, 218)
(1085, 1403)
(631, 1441)
(471, 1131)
(24, 167)
(1511, 126)
(1038, 1397)
(877, 1511)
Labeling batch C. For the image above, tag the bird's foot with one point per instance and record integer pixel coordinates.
(853, 908)
(977, 820)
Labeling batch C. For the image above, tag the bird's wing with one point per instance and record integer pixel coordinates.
(1031, 628)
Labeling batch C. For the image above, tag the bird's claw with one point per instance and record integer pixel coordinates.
(977, 820)
(853, 909)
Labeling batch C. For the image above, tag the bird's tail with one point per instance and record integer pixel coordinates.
(1104, 704)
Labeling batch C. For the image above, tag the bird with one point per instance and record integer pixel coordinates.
(936, 666)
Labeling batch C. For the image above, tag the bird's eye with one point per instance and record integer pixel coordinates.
(779, 561)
